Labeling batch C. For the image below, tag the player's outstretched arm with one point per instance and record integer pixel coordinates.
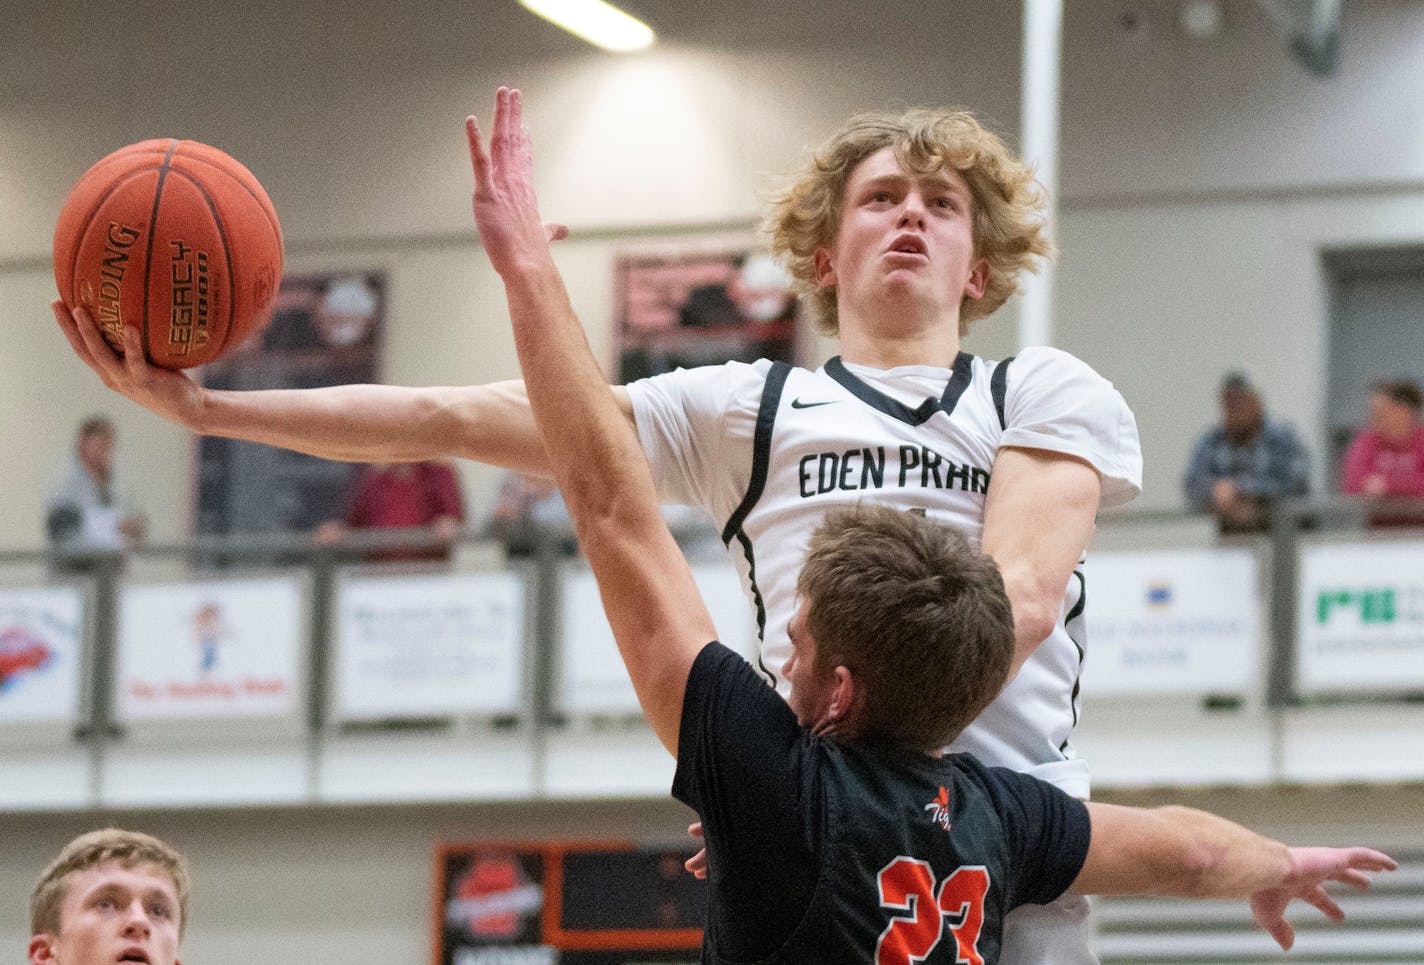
(652, 603)
(359, 423)
(1038, 518)
(1193, 854)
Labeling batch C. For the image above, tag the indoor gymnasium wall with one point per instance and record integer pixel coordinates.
(677, 144)
(1201, 181)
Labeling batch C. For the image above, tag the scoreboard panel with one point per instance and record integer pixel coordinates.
(565, 903)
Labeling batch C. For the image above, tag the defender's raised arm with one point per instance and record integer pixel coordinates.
(652, 603)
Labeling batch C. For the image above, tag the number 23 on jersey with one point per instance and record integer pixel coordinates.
(907, 885)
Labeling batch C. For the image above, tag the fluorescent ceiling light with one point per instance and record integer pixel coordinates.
(601, 24)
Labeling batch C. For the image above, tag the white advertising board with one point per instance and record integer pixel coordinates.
(1172, 621)
(1360, 622)
(592, 679)
(416, 646)
(41, 643)
(220, 648)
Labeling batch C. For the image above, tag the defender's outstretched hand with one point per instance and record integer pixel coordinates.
(1312, 868)
(170, 394)
(506, 209)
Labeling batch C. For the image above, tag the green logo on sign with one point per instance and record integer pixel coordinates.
(1375, 606)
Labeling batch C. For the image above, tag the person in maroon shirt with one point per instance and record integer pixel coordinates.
(1386, 458)
(404, 495)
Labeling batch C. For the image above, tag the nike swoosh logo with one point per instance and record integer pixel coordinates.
(798, 404)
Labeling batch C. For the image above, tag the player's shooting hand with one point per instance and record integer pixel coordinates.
(697, 864)
(505, 206)
(1311, 868)
(170, 394)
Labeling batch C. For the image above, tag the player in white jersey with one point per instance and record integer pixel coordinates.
(903, 230)
(768, 449)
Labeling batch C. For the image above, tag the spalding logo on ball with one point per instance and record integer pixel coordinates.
(175, 238)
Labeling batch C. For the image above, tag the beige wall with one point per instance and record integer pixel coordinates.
(1201, 180)
(350, 886)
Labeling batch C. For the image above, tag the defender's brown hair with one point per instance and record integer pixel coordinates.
(917, 614)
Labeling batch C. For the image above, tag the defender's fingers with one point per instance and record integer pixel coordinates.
(556, 232)
(1371, 860)
(479, 158)
(499, 139)
(1318, 898)
(1354, 877)
(1283, 933)
(516, 110)
(517, 129)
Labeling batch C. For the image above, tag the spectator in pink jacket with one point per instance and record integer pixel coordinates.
(1386, 458)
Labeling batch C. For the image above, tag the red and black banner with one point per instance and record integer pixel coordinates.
(565, 904)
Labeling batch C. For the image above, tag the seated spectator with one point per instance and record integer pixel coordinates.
(404, 495)
(528, 506)
(1242, 466)
(1386, 458)
(85, 514)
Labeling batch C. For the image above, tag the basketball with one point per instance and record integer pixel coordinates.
(175, 238)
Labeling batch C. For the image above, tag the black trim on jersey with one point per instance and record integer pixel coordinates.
(761, 447)
(746, 542)
(1073, 614)
(999, 387)
(761, 461)
(894, 408)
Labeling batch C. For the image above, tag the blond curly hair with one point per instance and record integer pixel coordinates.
(1008, 219)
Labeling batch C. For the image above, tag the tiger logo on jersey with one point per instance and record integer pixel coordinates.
(939, 808)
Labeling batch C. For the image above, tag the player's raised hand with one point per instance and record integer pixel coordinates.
(505, 206)
(170, 394)
(1312, 867)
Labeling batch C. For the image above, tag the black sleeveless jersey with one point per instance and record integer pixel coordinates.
(827, 852)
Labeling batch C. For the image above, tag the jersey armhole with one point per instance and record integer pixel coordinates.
(999, 389)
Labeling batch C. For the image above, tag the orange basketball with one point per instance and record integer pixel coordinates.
(175, 238)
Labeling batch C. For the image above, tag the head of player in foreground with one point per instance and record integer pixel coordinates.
(903, 634)
(110, 896)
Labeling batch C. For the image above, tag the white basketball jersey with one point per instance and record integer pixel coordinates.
(769, 449)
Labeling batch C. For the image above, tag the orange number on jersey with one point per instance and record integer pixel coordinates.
(961, 897)
(907, 885)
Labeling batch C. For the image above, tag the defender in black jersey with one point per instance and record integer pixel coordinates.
(834, 832)
(823, 850)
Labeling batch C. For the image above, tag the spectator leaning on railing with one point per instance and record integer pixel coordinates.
(1240, 467)
(85, 513)
(404, 495)
(1386, 458)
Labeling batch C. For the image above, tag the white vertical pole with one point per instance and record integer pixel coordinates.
(1042, 69)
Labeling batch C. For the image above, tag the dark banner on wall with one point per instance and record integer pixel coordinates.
(700, 308)
(565, 904)
(325, 330)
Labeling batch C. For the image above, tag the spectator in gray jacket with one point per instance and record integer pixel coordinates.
(1240, 467)
(85, 514)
